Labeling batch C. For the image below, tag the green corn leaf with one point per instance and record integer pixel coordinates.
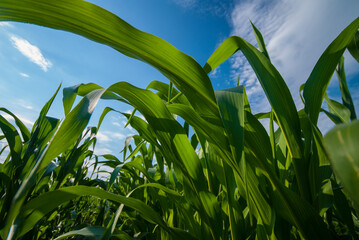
(13, 139)
(255, 194)
(69, 131)
(354, 46)
(212, 132)
(144, 129)
(335, 119)
(286, 203)
(342, 207)
(44, 132)
(3, 149)
(72, 126)
(231, 106)
(318, 81)
(263, 49)
(169, 133)
(136, 150)
(87, 19)
(161, 187)
(338, 109)
(272, 83)
(114, 175)
(341, 144)
(43, 112)
(260, 41)
(162, 89)
(174, 142)
(300, 213)
(103, 114)
(256, 139)
(23, 129)
(70, 93)
(33, 211)
(94, 232)
(346, 97)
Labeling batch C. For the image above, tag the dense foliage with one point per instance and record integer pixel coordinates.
(230, 179)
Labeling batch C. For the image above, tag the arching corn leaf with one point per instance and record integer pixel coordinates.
(86, 19)
(318, 81)
(23, 129)
(13, 139)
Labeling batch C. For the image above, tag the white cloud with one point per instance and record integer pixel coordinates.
(24, 104)
(102, 151)
(5, 24)
(215, 72)
(117, 124)
(109, 136)
(24, 75)
(296, 34)
(102, 137)
(118, 135)
(32, 52)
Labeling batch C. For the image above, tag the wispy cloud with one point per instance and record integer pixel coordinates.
(5, 24)
(118, 135)
(103, 137)
(296, 34)
(116, 123)
(24, 75)
(102, 151)
(109, 136)
(24, 104)
(215, 72)
(32, 52)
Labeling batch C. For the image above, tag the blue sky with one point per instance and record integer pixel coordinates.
(35, 60)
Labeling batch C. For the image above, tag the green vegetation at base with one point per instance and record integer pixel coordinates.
(230, 179)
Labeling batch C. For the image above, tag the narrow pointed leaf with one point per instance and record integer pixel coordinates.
(346, 97)
(260, 41)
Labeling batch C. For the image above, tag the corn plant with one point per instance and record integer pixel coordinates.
(230, 179)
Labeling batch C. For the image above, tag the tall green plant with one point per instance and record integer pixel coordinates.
(230, 179)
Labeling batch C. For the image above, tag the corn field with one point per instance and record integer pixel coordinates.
(215, 174)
